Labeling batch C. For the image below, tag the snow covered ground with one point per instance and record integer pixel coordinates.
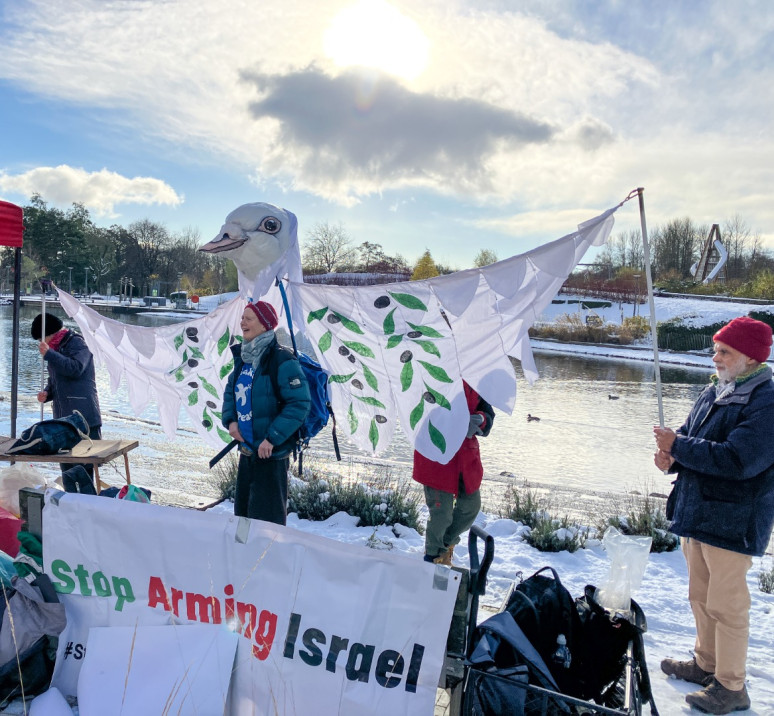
(662, 595)
(693, 312)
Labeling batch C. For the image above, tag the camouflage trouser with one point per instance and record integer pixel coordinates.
(449, 518)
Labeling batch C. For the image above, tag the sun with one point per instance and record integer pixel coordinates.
(372, 33)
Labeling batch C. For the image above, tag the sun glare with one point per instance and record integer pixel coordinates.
(372, 33)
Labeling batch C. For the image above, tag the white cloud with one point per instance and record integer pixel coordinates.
(398, 138)
(495, 81)
(98, 191)
(552, 222)
(554, 107)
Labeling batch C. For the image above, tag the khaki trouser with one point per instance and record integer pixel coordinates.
(449, 518)
(720, 600)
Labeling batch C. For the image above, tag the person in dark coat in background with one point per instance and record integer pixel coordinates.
(452, 490)
(71, 382)
(264, 419)
(722, 506)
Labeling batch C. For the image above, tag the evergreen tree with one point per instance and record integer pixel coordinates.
(425, 267)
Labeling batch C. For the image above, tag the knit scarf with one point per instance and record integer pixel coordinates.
(253, 350)
(56, 339)
(723, 390)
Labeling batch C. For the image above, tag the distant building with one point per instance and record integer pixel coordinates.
(356, 279)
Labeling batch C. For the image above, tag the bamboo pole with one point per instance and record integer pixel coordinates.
(652, 305)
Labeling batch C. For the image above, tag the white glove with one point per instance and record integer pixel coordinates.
(474, 426)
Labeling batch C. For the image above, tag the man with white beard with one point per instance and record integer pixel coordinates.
(722, 506)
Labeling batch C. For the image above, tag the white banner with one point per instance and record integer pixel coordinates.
(326, 627)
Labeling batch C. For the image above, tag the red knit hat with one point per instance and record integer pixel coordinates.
(748, 336)
(266, 314)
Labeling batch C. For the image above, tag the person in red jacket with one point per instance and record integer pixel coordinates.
(452, 490)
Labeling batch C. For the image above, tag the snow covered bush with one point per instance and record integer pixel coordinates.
(375, 503)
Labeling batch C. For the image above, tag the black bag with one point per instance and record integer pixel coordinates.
(600, 656)
(502, 663)
(50, 437)
(544, 608)
(76, 479)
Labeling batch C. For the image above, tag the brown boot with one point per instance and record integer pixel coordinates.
(687, 671)
(717, 699)
(445, 557)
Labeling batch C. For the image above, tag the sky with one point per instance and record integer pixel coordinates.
(448, 125)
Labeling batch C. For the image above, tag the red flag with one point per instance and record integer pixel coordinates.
(11, 226)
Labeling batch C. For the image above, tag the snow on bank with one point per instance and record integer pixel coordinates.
(693, 312)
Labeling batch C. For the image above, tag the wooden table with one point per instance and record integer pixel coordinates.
(90, 452)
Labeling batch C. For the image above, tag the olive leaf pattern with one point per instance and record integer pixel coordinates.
(201, 395)
(416, 349)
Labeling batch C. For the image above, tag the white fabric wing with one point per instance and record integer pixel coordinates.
(184, 364)
(391, 355)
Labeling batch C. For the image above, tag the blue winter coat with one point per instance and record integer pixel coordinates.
(276, 418)
(724, 458)
(71, 382)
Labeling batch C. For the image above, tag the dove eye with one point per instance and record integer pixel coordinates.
(270, 225)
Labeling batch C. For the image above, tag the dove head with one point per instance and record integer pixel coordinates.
(255, 236)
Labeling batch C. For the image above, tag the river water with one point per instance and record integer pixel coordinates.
(594, 435)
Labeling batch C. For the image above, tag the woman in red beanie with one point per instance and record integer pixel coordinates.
(264, 404)
(722, 506)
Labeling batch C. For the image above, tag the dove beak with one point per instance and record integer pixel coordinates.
(230, 237)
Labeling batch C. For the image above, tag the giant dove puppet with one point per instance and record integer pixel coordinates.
(394, 352)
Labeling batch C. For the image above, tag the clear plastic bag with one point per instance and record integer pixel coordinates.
(12, 479)
(628, 560)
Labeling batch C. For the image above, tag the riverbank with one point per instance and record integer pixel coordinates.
(697, 359)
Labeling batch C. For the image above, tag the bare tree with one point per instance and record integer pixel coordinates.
(742, 245)
(484, 258)
(625, 250)
(328, 247)
(371, 255)
(148, 242)
(676, 246)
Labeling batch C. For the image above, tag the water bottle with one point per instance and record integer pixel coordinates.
(562, 656)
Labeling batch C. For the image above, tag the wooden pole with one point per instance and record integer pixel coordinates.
(652, 305)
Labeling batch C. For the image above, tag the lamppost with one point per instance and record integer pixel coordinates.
(89, 269)
(637, 296)
(70, 280)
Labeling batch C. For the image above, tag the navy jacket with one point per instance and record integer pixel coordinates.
(275, 418)
(724, 458)
(71, 382)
